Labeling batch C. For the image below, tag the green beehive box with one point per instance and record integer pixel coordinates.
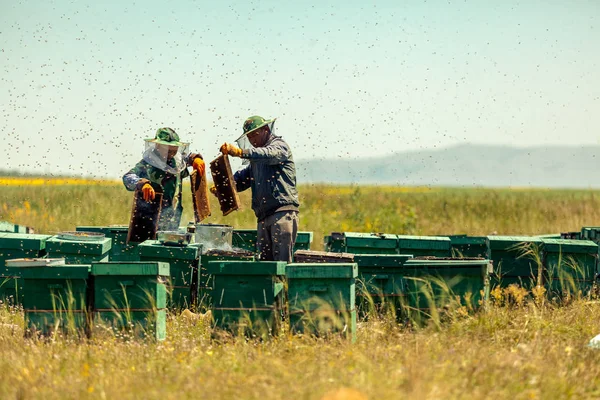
(54, 298)
(371, 243)
(12, 246)
(445, 282)
(362, 243)
(322, 298)
(335, 243)
(79, 251)
(590, 233)
(425, 246)
(183, 262)
(380, 280)
(248, 296)
(246, 239)
(132, 296)
(14, 228)
(570, 266)
(206, 279)
(515, 259)
(463, 246)
(120, 250)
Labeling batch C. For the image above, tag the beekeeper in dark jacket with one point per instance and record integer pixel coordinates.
(271, 175)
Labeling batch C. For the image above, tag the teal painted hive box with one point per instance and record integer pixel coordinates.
(120, 250)
(248, 296)
(380, 283)
(79, 251)
(206, 282)
(322, 298)
(55, 299)
(445, 284)
(516, 260)
(570, 266)
(12, 246)
(463, 246)
(183, 263)
(362, 243)
(246, 239)
(424, 246)
(131, 297)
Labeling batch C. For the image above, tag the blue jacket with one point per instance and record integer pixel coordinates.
(272, 177)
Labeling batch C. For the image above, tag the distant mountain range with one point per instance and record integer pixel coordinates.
(465, 166)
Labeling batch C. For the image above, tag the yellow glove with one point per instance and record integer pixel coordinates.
(228, 148)
(148, 192)
(213, 190)
(199, 166)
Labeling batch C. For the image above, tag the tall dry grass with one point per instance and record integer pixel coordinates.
(325, 209)
(517, 348)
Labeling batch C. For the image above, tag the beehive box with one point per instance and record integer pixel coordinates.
(324, 257)
(55, 298)
(183, 263)
(79, 251)
(132, 297)
(120, 250)
(248, 296)
(246, 239)
(516, 260)
(336, 243)
(206, 278)
(444, 284)
(17, 245)
(463, 246)
(590, 233)
(380, 281)
(14, 228)
(424, 246)
(549, 236)
(570, 266)
(322, 298)
(362, 243)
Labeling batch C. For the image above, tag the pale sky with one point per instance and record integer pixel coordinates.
(82, 83)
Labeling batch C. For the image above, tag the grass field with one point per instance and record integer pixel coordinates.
(524, 351)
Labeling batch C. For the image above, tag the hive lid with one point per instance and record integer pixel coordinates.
(446, 262)
(424, 242)
(23, 241)
(103, 229)
(468, 240)
(117, 268)
(153, 248)
(54, 272)
(246, 267)
(376, 240)
(569, 246)
(35, 262)
(81, 236)
(99, 246)
(381, 260)
(508, 242)
(320, 270)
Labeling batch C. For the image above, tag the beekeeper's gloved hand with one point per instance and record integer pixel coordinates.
(199, 166)
(148, 192)
(228, 148)
(213, 190)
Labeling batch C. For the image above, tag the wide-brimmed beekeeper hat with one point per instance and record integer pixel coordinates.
(168, 137)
